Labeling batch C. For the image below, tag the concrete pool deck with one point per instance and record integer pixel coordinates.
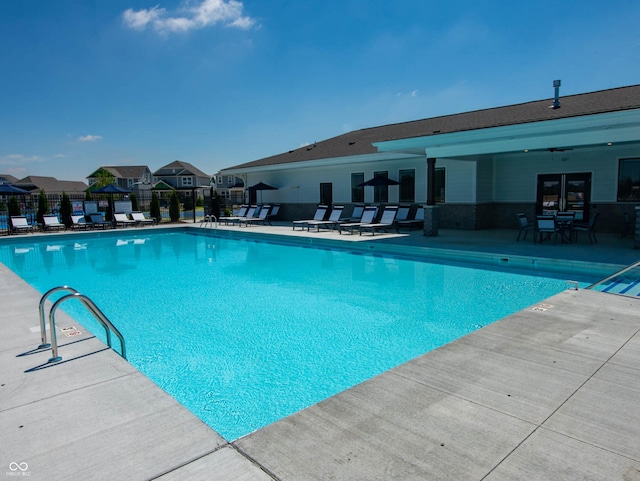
(549, 392)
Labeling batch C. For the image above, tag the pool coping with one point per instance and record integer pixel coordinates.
(129, 426)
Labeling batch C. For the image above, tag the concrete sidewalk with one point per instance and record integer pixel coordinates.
(547, 393)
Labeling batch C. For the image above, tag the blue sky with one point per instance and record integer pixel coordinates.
(85, 83)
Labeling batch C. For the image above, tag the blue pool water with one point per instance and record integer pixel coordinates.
(244, 333)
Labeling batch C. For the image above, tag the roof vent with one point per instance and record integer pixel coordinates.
(556, 98)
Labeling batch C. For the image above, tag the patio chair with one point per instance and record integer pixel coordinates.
(418, 220)
(403, 214)
(233, 218)
(139, 218)
(51, 222)
(331, 222)
(79, 222)
(259, 217)
(120, 218)
(20, 224)
(368, 215)
(588, 227)
(98, 222)
(321, 210)
(386, 221)
(525, 226)
(545, 226)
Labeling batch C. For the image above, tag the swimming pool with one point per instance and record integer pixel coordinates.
(244, 332)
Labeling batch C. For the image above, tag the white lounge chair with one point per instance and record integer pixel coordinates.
(139, 218)
(321, 210)
(368, 215)
(51, 222)
(386, 221)
(258, 217)
(331, 223)
(120, 218)
(418, 220)
(79, 222)
(20, 224)
(233, 218)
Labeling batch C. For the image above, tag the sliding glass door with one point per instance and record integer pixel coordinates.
(564, 193)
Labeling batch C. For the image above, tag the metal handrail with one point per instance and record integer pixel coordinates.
(43, 328)
(209, 219)
(97, 313)
(616, 274)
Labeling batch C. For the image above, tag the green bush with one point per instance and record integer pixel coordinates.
(14, 206)
(174, 207)
(66, 210)
(43, 207)
(134, 202)
(154, 207)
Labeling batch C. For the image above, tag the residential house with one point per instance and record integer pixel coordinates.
(132, 177)
(182, 176)
(51, 186)
(480, 168)
(230, 188)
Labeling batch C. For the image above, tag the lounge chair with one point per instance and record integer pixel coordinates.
(418, 220)
(525, 227)
(319, 215)
(331, 223)
(258, 217)
(51, 222)
(356, 215)
(120, 218)
(139, 218)
(368, 215)
(386, 221)
(79, 222)
(98, 222)
(402, 215)
(20, 224)
(233, 218)
(273, 213)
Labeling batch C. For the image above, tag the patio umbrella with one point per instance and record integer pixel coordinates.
(8, 189)
(379, 181)
(111, 189)
(261, 186)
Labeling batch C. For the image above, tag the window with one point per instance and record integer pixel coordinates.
(219, 179)
(230, 179)
(357, 193)
(187, 181)
(407, 187)
(629, 180)
(440, 185)
(381, 192)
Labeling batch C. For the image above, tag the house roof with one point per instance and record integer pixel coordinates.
(178, 167)
(36, 183)
(7, 178)
(360, 142)
(123, 171)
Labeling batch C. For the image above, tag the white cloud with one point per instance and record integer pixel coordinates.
(204, 14)
(89, 138)
(19, 159)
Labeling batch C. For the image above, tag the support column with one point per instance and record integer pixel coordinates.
(636, 242)
(431, 181)
(431, 210)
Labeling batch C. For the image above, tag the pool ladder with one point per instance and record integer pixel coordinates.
(209, 221)
(91, 307)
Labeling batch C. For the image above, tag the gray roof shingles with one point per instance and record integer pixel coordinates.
(360, 142)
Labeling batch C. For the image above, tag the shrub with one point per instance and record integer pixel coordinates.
(174, 207)
(154, 207)
(66, 210)
(43, 207)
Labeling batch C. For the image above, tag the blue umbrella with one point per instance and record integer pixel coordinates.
(8, 189)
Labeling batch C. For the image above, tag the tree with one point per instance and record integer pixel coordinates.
(174, 207)
(66, 210)
(134, 202)
(14, 206)
(154, 207)
(104, 178)
(43, 207)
